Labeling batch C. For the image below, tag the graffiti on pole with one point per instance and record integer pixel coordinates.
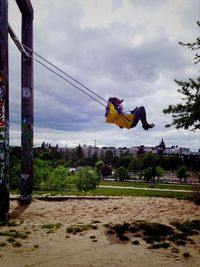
(3, 161)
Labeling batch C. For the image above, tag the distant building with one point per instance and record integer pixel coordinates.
(103, 152)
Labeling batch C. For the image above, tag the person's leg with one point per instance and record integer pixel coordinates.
(140, 114)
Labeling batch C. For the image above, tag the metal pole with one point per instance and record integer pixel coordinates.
(26, 186)
(4, 112)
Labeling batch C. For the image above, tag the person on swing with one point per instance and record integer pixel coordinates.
(139, 113)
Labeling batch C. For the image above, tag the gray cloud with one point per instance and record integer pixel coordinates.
(134, 61)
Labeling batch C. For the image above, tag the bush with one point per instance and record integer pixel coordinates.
(41, 173)
(148, 174)
(86, 179)
(181, 173)
(122, 174)
(59, 179)
(106, 170)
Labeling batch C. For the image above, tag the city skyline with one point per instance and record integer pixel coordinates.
(95, 146)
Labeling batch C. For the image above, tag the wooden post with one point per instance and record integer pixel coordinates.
(27, 104)
(4, 112)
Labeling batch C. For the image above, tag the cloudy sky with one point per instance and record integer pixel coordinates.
(123, 48)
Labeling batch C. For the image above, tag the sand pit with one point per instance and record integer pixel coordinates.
(37, 233)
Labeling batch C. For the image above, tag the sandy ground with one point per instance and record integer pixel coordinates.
(47, 244)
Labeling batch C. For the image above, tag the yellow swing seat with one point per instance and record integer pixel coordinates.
(121, 120)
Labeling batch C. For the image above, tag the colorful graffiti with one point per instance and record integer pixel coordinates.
(27, 155)
(3, 143)
(4, 159)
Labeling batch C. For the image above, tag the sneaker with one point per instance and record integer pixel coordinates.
(148, 126)
(151, 125)
(145, 127)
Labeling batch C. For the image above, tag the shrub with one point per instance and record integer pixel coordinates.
(86, 179)
(41, 173)
(59, 179)
(181, 173)
(122, 174)
(106, 170)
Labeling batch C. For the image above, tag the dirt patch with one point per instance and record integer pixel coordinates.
(80, 232)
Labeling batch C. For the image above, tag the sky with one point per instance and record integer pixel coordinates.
(123, 48)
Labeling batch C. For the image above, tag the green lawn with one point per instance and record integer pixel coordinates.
(118, 192)
(139, 192)
(125, 191)
(146, 185)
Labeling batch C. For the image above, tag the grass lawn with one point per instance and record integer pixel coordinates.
(123, 191)
(117, 192)
(146, 185)
(139, 192)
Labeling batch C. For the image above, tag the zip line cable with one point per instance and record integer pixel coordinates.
(22, 47)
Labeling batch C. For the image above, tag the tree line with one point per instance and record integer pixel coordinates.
(52, 172)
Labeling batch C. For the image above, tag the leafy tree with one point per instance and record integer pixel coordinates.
(94, 159)
(56, 155)
(114, 161)
(47, 156)
(121, 173)
(108, 156)
(148, 174)
(41, 173)
(159, 172)
(106, 170)
(149, 160)
(15, 151)
(98, 166)
(124, 161)
(186, 115)
(181, 173)
(140, 150)
(79, 152)
(59, 179)
(86, 179)
(170, 162)
(135, 165)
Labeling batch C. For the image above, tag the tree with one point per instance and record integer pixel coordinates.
(170, 162)
(98, 166)
(106, 170)
(79, 152)
(43, 145)
(115, 160)
(41, 173)
(150, 160)
(186, 115)
(47, 156)
(86, 179)
(124, 161)
(135, 165)
(148, 174)
(122, 174)
(59, 179)
(181, 173)
(159, 172)
(108, 156)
